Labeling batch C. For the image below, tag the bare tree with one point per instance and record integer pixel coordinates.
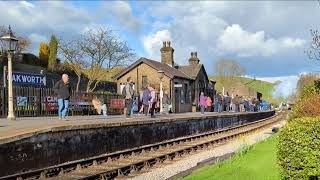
(24, 42)
(73, 57)
(227, 70)
(306, 80)
(314, 49)
(102, 47)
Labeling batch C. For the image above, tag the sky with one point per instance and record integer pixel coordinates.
(268, 38)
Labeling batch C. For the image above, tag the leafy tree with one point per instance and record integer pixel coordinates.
(43, 53)
(53, 47)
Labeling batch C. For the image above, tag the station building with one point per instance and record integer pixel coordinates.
(184, 83)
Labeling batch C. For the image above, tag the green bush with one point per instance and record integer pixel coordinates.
(299, 148)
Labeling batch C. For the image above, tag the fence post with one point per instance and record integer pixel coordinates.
(39, 100)
(3, 105)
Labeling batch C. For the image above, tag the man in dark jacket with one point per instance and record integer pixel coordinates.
(63, 90)
(128, 95)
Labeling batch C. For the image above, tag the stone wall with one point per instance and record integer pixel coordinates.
(72, 143)
(144, 70)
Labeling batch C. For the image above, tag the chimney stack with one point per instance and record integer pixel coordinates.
(193, 60)
(167, 53)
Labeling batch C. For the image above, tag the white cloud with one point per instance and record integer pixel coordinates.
(39, 19)
(152, 42)
(37, 38)
(272, 35)
(122, 12)
(291, 42)
(43, 16)
(244, 43)
(27, 4)
(286, 87)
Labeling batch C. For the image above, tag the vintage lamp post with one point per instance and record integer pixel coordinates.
(161, 74)
(9, 45)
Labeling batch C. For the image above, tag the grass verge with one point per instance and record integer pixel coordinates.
(257, 162)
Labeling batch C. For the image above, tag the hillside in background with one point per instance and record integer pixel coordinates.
(266, 88)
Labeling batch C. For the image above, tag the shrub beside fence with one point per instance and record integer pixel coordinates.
(40, 101)
(299, 140)
(299, 149)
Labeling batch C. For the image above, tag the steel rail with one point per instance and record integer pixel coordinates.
(118, 164)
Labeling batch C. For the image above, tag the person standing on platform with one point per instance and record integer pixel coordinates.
(237, 103)
(128, 93)
(228, 102)
(202, 103)
(146, 97)
(141, 100)
(63, 90)
(209, 103)
(153, 100)
(215, 102)
(166, 102)
(220, 102)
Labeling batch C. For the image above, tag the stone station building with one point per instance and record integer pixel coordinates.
(184, 83)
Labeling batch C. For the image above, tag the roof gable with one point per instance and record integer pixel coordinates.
(168, 70)
(193, 70)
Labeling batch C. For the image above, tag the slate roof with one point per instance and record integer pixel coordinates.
(168, 70)
(191, 70)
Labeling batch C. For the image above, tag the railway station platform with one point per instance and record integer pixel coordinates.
(38, 142)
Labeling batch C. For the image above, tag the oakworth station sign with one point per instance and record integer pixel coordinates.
(20, 78)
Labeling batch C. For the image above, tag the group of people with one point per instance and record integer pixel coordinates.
(227, 103)
(146, 102)
(63, 91)
(148, 99)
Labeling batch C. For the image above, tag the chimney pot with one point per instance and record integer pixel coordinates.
(167, 53)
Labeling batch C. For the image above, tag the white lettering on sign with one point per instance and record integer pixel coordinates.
(28, 79)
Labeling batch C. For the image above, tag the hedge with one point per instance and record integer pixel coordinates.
(299, 148)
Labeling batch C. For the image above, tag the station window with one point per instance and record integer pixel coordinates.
(144, 81)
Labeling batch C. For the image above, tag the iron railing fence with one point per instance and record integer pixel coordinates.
(41, 101)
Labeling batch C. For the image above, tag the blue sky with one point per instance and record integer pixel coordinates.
(268, 38)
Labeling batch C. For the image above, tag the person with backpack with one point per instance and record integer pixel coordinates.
(127, 93)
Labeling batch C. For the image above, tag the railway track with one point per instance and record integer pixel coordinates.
(130, 162)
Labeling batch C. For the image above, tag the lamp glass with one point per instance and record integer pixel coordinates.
(9, 44)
